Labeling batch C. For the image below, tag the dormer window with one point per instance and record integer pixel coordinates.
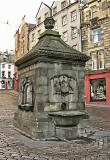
(63, 4)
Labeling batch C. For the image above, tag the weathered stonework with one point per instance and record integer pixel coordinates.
(92, 19)
(21, 43)
(51, 88)
(67, 10)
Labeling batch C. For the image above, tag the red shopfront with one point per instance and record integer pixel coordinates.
(97, 87)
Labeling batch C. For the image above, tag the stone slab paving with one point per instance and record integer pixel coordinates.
(15, 146)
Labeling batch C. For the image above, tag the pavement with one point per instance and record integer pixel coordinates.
(16, 146)
(99, 115)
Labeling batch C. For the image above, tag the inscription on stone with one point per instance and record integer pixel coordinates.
(63, 85)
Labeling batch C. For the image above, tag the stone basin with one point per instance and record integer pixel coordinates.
(68, 118)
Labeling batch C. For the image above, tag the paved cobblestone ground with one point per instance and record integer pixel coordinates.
(100, 116)
(14, 146)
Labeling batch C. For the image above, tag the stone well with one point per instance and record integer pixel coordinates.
(51, 89)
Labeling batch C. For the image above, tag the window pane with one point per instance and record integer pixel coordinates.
(64, 20)
(74, 32)
(3, 84)
(96, 35)
(94, 60)
(3, 65)
(9, 74)
(73, 15)
(98, 89)
(3, 74)
(100, 59)
(63, 4)
(9, 66)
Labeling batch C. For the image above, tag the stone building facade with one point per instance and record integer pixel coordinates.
(67, 22)
(67, 16)
(96, 44)
(84, 25)
(6, 70)
(21, 44)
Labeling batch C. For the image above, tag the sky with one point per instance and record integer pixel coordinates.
(13, 12)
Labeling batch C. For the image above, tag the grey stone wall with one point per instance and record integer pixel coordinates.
(36, 122)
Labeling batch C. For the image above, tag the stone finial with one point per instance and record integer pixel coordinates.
(49, 23)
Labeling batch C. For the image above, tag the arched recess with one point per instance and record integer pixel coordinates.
(27, 95)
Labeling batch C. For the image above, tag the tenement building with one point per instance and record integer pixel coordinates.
(67, 22)
(96, 43)
(83, 25)
(6, 70)
(21, 44)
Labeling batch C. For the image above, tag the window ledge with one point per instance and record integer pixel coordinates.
(64, 25)
(96, 42)
(26, 107)
(73, 37)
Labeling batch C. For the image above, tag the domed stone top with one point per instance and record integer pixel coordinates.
(49, 23)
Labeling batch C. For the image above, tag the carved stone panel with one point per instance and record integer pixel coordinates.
(63, 85)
